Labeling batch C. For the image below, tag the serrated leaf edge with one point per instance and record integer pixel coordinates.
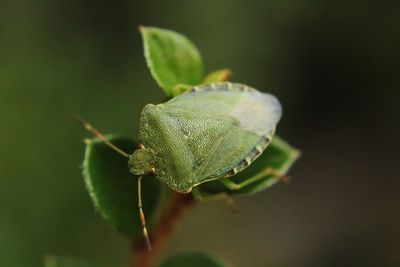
(87, 176)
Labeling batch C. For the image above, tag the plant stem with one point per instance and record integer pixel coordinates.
(178, 205)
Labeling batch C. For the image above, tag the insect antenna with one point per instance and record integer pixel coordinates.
(142, 218)
(99, 135)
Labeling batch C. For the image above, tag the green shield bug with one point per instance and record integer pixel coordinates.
(209, 132)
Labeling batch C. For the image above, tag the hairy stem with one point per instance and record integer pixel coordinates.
(177, 207)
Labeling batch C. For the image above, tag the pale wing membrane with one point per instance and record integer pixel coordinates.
(257, 112)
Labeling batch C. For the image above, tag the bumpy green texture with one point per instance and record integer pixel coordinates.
(52, 261)
(113, 188)
(171, 58)
(209, 132)
(279, 156)
(192, 259)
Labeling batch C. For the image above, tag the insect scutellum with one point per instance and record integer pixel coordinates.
(144, 165)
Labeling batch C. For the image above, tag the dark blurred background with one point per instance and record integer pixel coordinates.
(333, 64)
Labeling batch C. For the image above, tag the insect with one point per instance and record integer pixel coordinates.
(209, 132)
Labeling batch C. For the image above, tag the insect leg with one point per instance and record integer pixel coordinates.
(99, 135)
(141, 214)
(262, 174)
(219, 196)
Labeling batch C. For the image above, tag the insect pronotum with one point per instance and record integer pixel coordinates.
(209, 132)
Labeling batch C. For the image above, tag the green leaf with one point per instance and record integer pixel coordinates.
(171, 58)
(218, 76)
(113, 189)
(52, 261)
(279, 155)
(192, 259)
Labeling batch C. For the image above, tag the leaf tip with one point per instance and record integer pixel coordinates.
(297, 153)
(218, 76)
(228, 74)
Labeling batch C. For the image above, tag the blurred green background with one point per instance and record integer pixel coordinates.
(333, 64)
